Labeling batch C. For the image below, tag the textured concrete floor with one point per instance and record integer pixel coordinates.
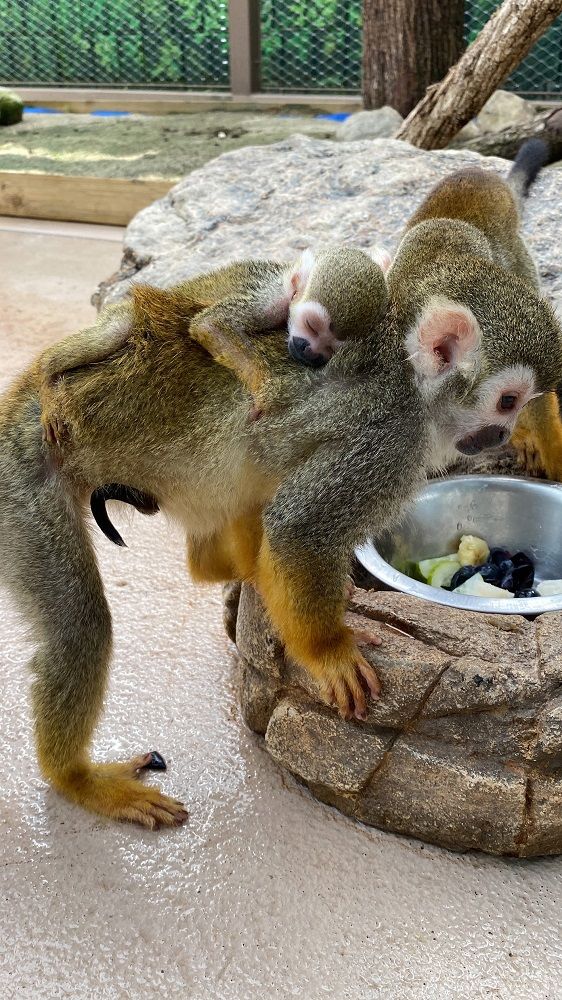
(265, 893)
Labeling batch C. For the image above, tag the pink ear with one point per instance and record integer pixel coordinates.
(301, 273)
(382, 258)
(447, 336)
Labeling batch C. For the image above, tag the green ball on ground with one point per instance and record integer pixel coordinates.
(11, 107)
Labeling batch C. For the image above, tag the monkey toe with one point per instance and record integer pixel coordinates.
(154, 761)
(369, 675)
(364, 637)
(348, 692)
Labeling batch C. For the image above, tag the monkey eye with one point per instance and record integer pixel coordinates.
(507, 402)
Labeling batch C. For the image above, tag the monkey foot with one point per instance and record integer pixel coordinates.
(114, 790)
(345, 686)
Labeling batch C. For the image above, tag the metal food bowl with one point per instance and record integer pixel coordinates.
(507, 511)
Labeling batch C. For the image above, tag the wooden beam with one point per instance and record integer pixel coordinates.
(245, 53)
(103, 200)
(154, 102)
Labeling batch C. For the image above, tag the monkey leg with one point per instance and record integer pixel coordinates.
(537, 437)
(90, 346)
(51, 570)
(228, 554)
(308, 613)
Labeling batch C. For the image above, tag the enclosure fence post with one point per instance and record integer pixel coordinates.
(244, 37)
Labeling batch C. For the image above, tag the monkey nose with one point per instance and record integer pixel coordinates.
(300, 350)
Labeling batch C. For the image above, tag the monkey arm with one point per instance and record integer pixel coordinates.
(223, 329)
(229, 554)
(310, 529)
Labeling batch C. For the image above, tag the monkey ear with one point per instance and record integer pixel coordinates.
(445, 337)
(381, 257)
(301, 272)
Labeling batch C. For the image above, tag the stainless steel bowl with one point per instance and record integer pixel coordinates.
(511, 512)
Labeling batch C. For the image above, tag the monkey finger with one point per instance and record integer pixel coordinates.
(154, 761)
(349, 588)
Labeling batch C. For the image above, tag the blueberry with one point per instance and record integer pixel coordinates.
(527, 593)
(491, 573)
(523, 571)
(498, 555)
(462, 575)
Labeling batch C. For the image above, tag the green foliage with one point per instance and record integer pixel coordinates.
(136, 42)
(311, 44)
(305, 44)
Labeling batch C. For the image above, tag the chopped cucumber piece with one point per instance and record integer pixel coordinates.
(442, 574)
(549, 588)
(476, 586)
(473, 551)
(426, 566)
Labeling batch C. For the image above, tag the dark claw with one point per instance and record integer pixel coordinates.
(156, 762)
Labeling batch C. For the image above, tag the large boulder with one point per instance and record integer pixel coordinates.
(378, 124)
(464, 749)
(11, 107)
(276, 200)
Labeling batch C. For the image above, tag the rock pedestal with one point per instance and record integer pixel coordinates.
(463, 750)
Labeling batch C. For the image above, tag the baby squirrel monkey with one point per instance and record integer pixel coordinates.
(324, 299)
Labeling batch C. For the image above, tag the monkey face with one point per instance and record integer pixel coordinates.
(312, 339)
(490, 411)
(474, 397)
(339, 293)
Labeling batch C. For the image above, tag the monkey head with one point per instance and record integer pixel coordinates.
(479, 358)
(337, 293)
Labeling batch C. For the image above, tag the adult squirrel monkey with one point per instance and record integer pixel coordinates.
(282, 501)
(472, 217)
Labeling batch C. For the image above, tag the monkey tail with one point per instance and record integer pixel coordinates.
(142, 502)
(531, 158)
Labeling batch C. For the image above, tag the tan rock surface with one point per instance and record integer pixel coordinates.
(464, 749)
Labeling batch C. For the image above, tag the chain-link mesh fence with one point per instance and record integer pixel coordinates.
(311, 45)
(148, 43)
(306, 45)
(316, 45)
